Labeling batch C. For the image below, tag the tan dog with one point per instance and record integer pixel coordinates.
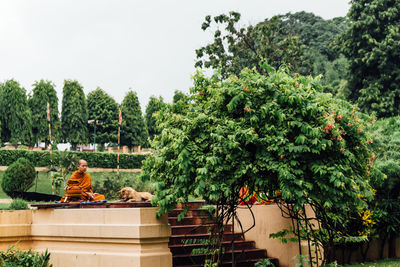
(128, 194)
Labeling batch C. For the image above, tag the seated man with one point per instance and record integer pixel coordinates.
(79, 186)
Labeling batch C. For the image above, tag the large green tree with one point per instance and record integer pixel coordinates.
(153, 106)
(235, 48)
(16, 117)
(133, 128)
(74, 114)
(267, 132)
(301, 40)
(102, 109)
(371, 44)
(44, 92)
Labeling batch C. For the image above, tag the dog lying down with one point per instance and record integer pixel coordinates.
(128, 194)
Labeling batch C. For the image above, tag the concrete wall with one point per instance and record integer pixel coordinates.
(91, 237)
(268, 219)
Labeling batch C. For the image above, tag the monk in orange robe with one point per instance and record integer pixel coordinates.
(81, 178)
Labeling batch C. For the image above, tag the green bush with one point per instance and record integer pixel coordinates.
(15, 258)
(18, 177)
(18, 204)
(94, 159)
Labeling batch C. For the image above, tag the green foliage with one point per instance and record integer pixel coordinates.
(94, 159)
(235, 48)
(371, 45)
(15, 258)
(385, 138)
(74, 114)
(133, 128)
(315, 33)
(18, 177)
(104, 109)
(18, 204)
(111, 184)
(264, 263)
(267, 132)
(44, 92)
(153, 106)
(15, 115)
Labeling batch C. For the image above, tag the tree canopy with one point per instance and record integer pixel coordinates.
(44, 92)
(133, 128)
(235, 48)
(267, 132)
(74, 114)
(153, 106)
(103, 109)
(15, 114)
(371, 44)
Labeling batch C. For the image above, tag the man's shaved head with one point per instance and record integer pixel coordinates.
(82, 165)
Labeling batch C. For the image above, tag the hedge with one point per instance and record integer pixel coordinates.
(94, 159)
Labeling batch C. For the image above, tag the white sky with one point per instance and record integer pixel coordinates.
(148, 46)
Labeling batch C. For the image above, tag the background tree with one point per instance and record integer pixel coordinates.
(371, 44)
(44, 92)
(154, 105)
(267, 132)
(385, 143)
(74, 114)
(15, 114)
(133, 128)
(103, 108)
(235, 48)
(301, 40)
(318, 37)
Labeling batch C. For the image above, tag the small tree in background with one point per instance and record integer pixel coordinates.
(44, 92)
(153, 106)
(15, 114)
(104, 109)
(133, 128)
(74, 114)
(18, 177)
(270, 133)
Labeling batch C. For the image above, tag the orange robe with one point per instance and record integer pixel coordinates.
(85, 182)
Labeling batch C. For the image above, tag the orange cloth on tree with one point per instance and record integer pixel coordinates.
(85, 182)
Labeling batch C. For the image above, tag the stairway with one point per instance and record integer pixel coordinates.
(196, 225)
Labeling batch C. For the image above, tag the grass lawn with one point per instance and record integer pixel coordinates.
(382, 263)
(43, 183)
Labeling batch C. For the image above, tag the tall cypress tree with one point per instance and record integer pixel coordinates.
(44, 92)
(133, 128)
(154, 105)
(74, 114)
(103, 109)
(16, 117)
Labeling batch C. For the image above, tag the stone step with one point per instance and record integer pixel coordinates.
(190, 213)
(195, 229)
(190, 204)
(180, 239)
(196, 220)
(244, 263)
(240, 255)
(187, 249)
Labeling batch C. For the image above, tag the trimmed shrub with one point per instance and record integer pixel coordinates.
(94, 159)
(18, 204)
(18, 177)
